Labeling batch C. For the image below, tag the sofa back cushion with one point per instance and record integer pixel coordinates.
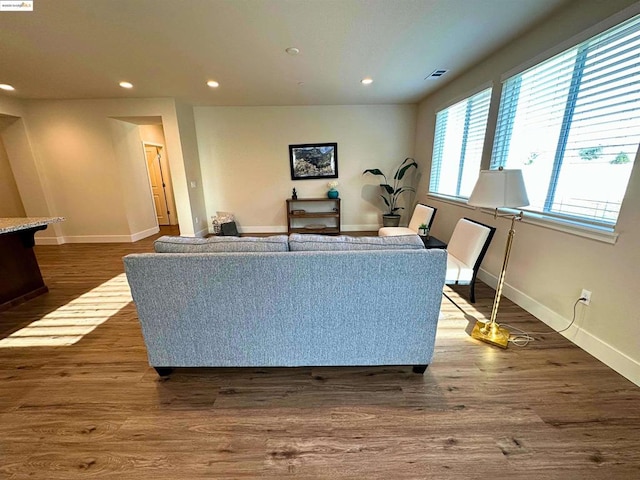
(308, 242)
(168, 244)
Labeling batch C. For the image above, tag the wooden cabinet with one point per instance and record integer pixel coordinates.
(313, 215)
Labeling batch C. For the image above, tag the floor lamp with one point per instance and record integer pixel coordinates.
(498, 189)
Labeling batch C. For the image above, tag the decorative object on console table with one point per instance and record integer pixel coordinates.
(498, 189)
(391, 193)
(423, 230)
(313, 160)
(332, 193)
(306, 220)
(294, 194)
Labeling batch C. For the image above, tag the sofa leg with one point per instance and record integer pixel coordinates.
(164, 371)
(420, 369)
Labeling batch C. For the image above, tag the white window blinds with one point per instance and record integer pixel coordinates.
(458, 143)
(572, 124)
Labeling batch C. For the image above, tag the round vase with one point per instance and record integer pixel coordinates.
(332, 193)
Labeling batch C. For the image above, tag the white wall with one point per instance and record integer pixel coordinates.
(244, 155)
(10, 202)
(549, 268)
(31, 184)
(135, 189)
(196, 216)
(70, 159)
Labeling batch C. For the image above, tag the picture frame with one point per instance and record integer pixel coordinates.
(313, 160)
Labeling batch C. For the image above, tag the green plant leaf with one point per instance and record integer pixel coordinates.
(387, 188)
(373, 171)
(385, 200)
(403, 169)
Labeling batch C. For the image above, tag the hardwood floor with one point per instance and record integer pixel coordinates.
(85, 403)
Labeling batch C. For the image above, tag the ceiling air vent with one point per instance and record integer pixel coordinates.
(436, 74)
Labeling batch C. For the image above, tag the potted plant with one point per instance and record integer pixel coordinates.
(391, 192)
(423, 230)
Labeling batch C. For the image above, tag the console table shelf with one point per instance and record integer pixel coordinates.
(301, 213)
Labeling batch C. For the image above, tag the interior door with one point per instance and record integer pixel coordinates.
(153, 154)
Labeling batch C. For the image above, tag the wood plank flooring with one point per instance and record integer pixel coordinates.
(95, 409)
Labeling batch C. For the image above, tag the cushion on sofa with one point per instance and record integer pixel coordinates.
(169, 244)
(309, 242)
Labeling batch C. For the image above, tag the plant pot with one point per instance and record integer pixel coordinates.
(390, 220)
(332, 193)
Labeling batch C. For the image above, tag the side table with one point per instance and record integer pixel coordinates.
(432, 242)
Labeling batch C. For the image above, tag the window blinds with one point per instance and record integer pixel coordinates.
(458, 144)
(572, 123)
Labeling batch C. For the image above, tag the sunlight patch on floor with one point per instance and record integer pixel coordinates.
(69, 323)
(450, 323)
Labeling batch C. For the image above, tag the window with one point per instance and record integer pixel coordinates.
(458, 144)
(572, 124)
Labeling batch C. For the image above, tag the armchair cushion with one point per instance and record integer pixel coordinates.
(467, 247)
(421, 214)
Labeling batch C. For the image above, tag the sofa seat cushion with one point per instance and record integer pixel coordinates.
(310, 242)
(169, 244)
(457, 270)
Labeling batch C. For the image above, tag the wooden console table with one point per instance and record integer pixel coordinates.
(21, 279)
(313, 215)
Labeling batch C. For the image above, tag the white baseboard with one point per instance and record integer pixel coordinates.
(250, 229)
(144, 234)
(49, 240)
(201, 233)
(361, 228)
(134, 237)
(610, 356)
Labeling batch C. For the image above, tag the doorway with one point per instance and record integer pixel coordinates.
(159, 178)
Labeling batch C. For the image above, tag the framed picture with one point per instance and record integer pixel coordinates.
(313, 160)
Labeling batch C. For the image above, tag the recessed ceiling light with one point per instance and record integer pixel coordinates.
(126, 85)
(367, 81)
(7, 87)
(213, 84)
(292, 51)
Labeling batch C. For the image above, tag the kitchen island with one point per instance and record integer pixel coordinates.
(20, 277)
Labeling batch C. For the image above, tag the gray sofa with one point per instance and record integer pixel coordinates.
(303, 300)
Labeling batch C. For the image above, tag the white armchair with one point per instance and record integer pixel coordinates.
(467, 247)
(421, 214)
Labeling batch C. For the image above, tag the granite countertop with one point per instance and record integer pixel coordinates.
(15, 224)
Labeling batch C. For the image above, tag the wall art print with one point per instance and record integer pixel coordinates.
(313, 160)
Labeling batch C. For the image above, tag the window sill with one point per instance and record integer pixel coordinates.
(600, 234)
(457, 201)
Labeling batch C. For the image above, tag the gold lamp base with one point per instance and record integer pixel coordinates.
(491, 333)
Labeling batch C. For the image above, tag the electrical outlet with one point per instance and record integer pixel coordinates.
(586, 294)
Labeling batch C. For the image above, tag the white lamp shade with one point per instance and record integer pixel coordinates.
(499, 189)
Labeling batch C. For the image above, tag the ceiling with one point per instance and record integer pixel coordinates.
(169, 48)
